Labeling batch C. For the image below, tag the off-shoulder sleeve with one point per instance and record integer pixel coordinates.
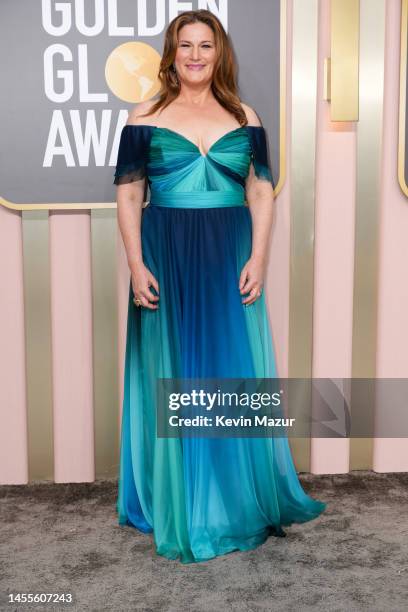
(260, 153)
(132, 154)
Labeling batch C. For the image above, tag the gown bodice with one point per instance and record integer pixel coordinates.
(176, 169)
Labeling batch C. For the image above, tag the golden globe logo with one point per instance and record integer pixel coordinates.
(131, 72)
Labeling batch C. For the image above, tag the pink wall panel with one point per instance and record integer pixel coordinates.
(13, 408)
(334, 254)
(392, 350)
(71, 322)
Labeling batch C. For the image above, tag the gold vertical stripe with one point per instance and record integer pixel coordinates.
(372, 41)
(344, 60)
(304, 83)
(37, 320)
(105, 326)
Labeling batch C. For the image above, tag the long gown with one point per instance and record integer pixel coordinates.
(201, 497)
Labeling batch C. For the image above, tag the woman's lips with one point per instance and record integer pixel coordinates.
(195, 67)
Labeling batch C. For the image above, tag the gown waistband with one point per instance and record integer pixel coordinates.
(196, 199)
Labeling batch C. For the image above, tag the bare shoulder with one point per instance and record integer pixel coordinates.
(137, 114)
(251, 115)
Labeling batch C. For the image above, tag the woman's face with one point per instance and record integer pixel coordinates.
(196, 54)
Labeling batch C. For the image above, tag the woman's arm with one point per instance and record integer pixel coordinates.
(129, 200)
(260, 198)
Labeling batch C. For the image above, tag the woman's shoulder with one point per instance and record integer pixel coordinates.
(251, 115)
(138, 115)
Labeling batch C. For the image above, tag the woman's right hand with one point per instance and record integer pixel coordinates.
(142, 279)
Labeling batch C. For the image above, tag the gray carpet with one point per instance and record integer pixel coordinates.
(65, 538)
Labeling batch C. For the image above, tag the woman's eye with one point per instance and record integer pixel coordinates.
(187, 45)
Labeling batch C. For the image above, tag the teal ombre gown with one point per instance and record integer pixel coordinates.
(201, 497)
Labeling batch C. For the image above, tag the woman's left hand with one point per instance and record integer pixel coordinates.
(251, 279)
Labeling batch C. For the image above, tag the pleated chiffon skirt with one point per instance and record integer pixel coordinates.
(201, 497)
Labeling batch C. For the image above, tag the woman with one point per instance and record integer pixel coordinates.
(197, 257)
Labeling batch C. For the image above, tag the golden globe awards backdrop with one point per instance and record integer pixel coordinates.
(72, 70)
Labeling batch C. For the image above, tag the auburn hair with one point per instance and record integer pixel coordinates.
(224, 82)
